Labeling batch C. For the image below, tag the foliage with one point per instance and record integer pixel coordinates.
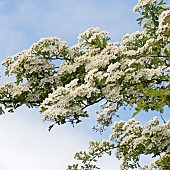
(130, 140)
(64, 81)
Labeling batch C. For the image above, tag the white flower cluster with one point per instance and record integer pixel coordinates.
(89, 159)
(142, 4)
(164, 24)
(37, 58)
(4, 88)
(131, 140)
(91, 57)
(153, 138)
(52, 45)
(34, 69)
(91, 35)
(62, 102)
(139, 43)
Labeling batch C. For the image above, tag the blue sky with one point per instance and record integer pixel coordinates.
(26, 21)
(25, 142)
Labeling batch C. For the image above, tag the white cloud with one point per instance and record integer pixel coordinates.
(24, 22)
(26, 143)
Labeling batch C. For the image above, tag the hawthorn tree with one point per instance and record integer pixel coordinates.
(63, 81)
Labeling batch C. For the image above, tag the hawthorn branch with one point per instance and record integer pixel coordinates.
(20, 101)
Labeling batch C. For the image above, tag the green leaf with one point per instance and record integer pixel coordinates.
(135, 113)
(50, 127)
(11, 110)
(43, 109)
(139, 108)
(1, 111)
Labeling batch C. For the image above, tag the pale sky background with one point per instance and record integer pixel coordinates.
(25, 143)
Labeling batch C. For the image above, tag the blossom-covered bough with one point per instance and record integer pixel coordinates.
(64, 81)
